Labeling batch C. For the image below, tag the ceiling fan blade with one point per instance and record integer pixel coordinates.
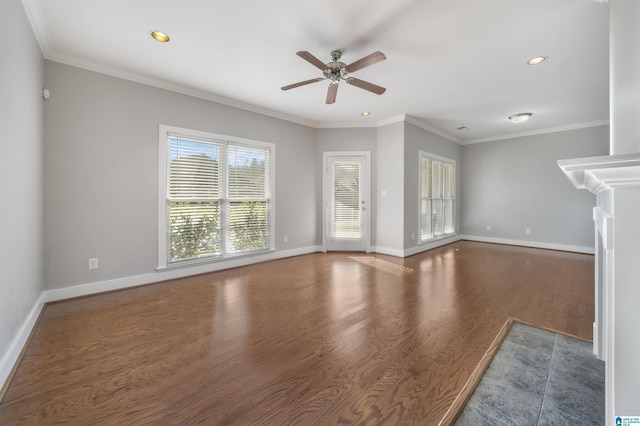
(312, 59)
(378, 90)
(331, 93)
(302, 83)
(374, 58)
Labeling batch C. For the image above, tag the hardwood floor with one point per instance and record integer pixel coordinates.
(336, 338)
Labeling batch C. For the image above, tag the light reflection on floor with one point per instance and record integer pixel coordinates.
(381, 264)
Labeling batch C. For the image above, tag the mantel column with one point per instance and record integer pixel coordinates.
(616, 182)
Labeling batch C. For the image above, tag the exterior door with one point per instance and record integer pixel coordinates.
(346, 183)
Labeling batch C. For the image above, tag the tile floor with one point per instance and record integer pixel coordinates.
(539, 378)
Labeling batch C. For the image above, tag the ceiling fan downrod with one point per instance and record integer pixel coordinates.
(335, 69)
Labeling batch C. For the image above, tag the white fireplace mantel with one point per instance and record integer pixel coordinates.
(615, 180)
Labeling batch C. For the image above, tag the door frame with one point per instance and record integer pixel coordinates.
(366, 191)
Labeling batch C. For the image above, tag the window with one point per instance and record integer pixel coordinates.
(215, 196)
(437, 197)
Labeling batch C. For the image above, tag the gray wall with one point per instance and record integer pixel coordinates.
(390, 172)
(516, 184)
(416, 140)
(21, 264)
(625, 76)
(101, 172)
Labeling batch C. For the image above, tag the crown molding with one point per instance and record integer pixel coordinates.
(416, 122)
(200, 94)
(392, 120)
(179, 88)
(346, 125)
(575, 126)
(38, 25)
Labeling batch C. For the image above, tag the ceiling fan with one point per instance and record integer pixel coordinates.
(336, 71)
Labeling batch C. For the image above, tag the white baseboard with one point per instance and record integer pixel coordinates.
(387, 250)
(536, 244)
(417, 249)
(13, 352)
(19, 341)
(173, 273)
(169, 274)
(434, 244)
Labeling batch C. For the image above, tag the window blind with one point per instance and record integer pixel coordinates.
(218, 196)
(426, 204)
(194, 198)
(249, 194)
(437, 197)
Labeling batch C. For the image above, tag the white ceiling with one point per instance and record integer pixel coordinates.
(449, 63)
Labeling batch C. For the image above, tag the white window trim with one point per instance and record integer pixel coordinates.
(421, 155)
(164, 132)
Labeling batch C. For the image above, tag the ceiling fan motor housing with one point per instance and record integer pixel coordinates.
(335, 70)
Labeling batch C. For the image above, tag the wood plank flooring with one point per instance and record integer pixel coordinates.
(336, 338)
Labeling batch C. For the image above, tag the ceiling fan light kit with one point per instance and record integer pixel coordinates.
(337, 70)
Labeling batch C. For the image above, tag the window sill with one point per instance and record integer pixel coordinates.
(441, 237)
(231, 258)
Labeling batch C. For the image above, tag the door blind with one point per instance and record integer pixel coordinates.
(346, 200)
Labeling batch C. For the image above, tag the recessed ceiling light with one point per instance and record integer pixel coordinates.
(520, 118)
(365, 113)
(537, 60)
(160, 36)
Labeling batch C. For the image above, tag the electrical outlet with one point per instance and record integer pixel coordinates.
(285, 239)
(488, 227)
(93, 263)
(528, 231)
